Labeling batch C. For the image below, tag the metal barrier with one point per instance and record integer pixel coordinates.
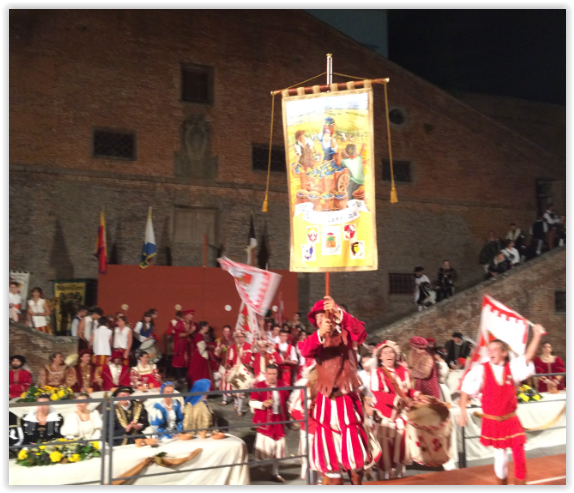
(108, 440)
(462, 454)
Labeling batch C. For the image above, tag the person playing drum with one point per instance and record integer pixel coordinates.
(234, 357)
(498, 379)
(145, 374)
(391, 388)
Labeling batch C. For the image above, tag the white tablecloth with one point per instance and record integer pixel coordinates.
(230, 450)
(532, 415)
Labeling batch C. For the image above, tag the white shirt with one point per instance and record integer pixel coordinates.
(15, 298)
(273, 340)
(89, 327)
(74, 327)
(283, 350)
(418, 281)
(137, 330)
(121, 337)
(38, 307)
(472, 383)
(548, 219)
(513, 235)
(276, 407)
(101, 342)
(115, 370)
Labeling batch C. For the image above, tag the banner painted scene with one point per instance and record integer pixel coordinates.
(330, 152)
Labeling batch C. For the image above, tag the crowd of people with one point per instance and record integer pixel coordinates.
(357, 397)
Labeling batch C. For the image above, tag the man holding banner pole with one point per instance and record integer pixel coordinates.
(497, 379)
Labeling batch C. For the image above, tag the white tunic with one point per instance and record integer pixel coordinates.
(137, 331)
(121, 337)
(283, 351)
(74, 427)
(101, 341)
(89, 327)
(38, 307)
(472, 383)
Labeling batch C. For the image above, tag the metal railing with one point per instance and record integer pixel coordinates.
(462, 454)
(108, 440)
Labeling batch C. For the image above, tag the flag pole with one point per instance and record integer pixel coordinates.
(329, 82)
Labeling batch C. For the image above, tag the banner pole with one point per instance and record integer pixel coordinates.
(329, 81)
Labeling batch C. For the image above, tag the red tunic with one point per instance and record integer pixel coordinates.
(274, 431)
(79, 380)
(556, 367)
(199, 366)
(384, 390)
(108, 382)
(258, 364)
(285, 371)
(307, 361)
(19, 382)
(235, 354)
(180, 347)
(499, 399)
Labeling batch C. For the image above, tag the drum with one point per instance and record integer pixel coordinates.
(240, 378)
(151, 348)
(428, 433)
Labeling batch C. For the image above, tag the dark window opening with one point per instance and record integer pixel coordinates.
(260, 158)
(401, 284)
(114, 144)
(397, 116)
(401, 171)
(560, 301)
(196, 84)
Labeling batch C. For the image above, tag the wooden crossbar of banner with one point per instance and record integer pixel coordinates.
(357, 84)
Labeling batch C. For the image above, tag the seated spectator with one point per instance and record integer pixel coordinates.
(456, 348)
(20, 379)
(131, 417)
(489, 250)
(16, 435)
(82, 424)
(517, 236)
(115, 374)
(42, 423)
(197, 413)
(511, 253)
(86, 375)
(167, 415)
(446, 278)
(500, 264)
(145, 373)
(57, 373)
(15, 301)
(548, 363)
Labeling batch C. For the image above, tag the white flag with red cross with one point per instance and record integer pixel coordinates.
(497, 321)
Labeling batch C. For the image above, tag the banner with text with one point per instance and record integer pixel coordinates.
(330, 152)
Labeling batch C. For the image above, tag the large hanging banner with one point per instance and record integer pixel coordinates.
(330, 154)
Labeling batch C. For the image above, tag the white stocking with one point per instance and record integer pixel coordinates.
(500, 463)
(240, 404)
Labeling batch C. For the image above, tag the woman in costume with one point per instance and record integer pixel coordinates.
(391, 387)
(197, 413)
(82, 424)
(42, 423)
(422, 368)
(548, 363)
(497, 380)
(145, 373)
(39, 311)
(123, 337)
(200, 364)
(181, 334)
(167, 415)
(57, 373)
(144, 329)
(86, 374)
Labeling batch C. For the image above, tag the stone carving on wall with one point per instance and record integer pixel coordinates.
(193, 160)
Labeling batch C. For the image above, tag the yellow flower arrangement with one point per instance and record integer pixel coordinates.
(23, 454)
(96, 445)
(23, 395)
(54, 397)
(74, 458)
(56, 456)
(61, 393)
(42, 447)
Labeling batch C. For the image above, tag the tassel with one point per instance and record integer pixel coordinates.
(394, 198)
(265, 204)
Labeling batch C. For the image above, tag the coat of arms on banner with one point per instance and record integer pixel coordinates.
(308, 252)
(357, 249)
(329, 149)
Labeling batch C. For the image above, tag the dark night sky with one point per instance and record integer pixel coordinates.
(518, 53)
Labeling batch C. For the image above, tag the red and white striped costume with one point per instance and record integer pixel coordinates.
(391, 431)
(304, 363)
(222, 351)
(257, 362)
(270, 439)
(342, 442)
(286, 351)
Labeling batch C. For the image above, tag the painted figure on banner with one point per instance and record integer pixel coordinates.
(329, 148)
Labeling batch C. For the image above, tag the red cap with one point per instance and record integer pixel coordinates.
(418, 342)
(430, 339)
(317, 308)
(187, 312)
(85, 351)
(117, 354)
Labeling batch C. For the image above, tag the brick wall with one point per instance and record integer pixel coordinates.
(36, 347)
(529, 290)
(73, 70)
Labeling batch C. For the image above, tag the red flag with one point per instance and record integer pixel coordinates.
(101, 249)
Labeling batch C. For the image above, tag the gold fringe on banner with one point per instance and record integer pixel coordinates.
(550, 424)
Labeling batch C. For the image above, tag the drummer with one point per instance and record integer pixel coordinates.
(391, 387)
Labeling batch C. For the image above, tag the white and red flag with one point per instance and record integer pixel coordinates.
(497, 321)
(256, 287)
(247, 322)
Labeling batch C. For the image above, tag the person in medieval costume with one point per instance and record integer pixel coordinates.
(391, 386)
(270, 406)
(42, 423)
(20, 379)
(342, 443)
(181, 334)
(16, 435)
(221, 352)
(115, 374)
(497, 379)
(144, 373)
(200, 364)
(258, 360)
(131, 417)
(422, 367)
(289, 358)
(86, 374)
(57, 373)
(234, 358)
(167, 415)
(198, 415)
